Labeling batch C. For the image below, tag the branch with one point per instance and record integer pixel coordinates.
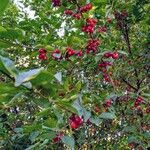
(129, 84)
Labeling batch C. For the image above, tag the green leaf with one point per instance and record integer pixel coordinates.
(107, 115)
(8, 92)
(51, 122)
(3, 5)
(131, 129)
(68, 141)
(31, 128)
(78, 86)
(8, 66)
(43, 79)
(96, 120)
(81, 110)
(34, 135)
(26, 76)
(66, 105)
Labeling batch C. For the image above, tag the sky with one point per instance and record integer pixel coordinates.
(31, 15)
(30, 12)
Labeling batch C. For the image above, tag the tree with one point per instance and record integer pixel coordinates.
(75, 76)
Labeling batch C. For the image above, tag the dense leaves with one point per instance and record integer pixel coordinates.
(74, 74)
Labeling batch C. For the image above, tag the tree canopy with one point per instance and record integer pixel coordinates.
(74, 74)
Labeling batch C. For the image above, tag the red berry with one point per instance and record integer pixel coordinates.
(78, 120)
(74, 125)
(42, 50)
(68, 12)
(115, 55)
(56, 3)
(42, 56)
(77, 16)
(56, 51)
(79, 53)
(108, 55)
(108, 103)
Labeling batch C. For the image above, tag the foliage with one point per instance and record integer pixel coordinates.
(74, 76)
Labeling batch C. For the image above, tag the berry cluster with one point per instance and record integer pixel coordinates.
(77, 15)
(42, 54)
(85, 8)
(103, 67)
(75, 121)
(69, 12)
(57, 55)
(90, 25)
(113, 55)
(138, 101)
(56, 3)
(104, 64)
(92, 46)
(108, 103)
(70, 52)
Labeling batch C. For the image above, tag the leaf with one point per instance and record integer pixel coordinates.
(131, 129)
(81, 110)
(8, 65)
(43, 79)
(68, 141)
(78, 86)
(3, 5)
(27, 76)
(34, 135)
(96, 120)
(31, 128)
(51, 122)
(107, 115)
(66, 105)
(8, 92)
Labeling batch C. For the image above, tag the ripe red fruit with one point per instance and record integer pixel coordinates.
(77, 16)
(58, 137)
(74, 125)
(85, 8)
(115, 55)
(105, 64)
(56, 51)
(138, 101)
(108, 54)
(56, 3)
(42, 50)
(79, 53)
(108, 102)
(68, 12)
(42, 56)
(75, 121)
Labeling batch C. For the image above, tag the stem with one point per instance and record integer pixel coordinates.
(129, 84)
